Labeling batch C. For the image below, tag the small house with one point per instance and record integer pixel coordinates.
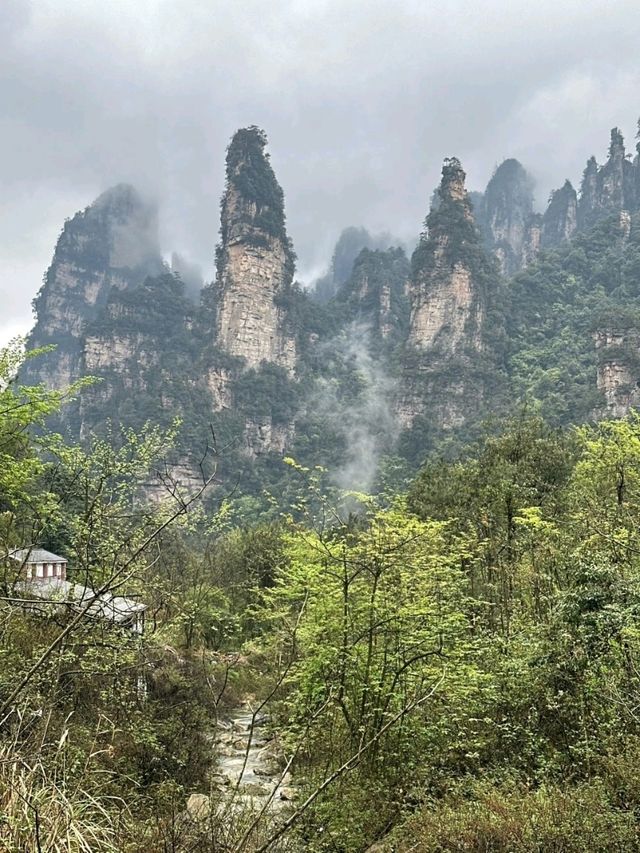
(38, 564)
(43, 576)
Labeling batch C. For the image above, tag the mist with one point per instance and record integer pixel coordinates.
(361, 103)
(365, 422)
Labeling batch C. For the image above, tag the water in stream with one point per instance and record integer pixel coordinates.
(247, 761)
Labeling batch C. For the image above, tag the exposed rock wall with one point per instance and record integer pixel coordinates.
(112, 244)
(454, 286)
(446, 307)
(505, 215)
(262, 435)
(618, 378)
(255, 261)
(251, 325)
(219, 381)
(449, 315)
(141, 350)
(560, 219)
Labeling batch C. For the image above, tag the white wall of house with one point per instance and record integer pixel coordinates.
(46, 570)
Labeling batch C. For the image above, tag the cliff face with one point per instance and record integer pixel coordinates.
(618, 376)
(446, 307)
(255, 261)
(143, 351)
(112, 244)
(116, 313)
(608, 189)
(560, 219)
(273, 371)
(453, 289)
(375, 293)
(142, 342)
(505, 216)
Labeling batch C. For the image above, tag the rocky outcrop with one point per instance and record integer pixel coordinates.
(446, 306)
(510, 229)
(112, 244)
(219, 381)
(375, 293)
(351, 242)
(262, 435)
(425, 339)
(140, 349)
(255, 260)
(560, 219)
(453, 290)
(114, 311)
(618, 377)
(505, 215)
(616, 179)
(608, 189)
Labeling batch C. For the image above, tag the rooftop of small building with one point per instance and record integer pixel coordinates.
(106, 605)
(36, 555)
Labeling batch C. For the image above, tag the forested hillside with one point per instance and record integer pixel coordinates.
(389, 360)
(450, 669)
(352, 570)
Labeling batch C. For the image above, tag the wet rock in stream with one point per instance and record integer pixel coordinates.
(246, 761)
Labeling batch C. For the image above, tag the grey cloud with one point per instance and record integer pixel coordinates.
(361, 101)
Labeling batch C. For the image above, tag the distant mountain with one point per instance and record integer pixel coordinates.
(350, 243)
(515, 233)
(498, 304)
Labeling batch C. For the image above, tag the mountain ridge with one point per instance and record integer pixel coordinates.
(255, 356)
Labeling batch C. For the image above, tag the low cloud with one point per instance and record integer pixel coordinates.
(361, 102)
(364, 419)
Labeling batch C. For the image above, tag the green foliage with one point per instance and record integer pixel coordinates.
(515, 819)
(513, 595)
(459, 669)
(556, 306)
(267, 392)
(253, 199)
(249, 170)
(375, 293)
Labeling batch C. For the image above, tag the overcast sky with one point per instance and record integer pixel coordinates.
(360, 99)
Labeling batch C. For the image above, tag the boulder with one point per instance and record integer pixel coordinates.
(198, 807)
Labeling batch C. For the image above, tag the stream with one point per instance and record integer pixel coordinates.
(259, 777)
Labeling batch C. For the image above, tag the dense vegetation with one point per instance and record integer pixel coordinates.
(539, 351)
(445, 660)
(453, 668)
(558, 304)
(253, 201)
